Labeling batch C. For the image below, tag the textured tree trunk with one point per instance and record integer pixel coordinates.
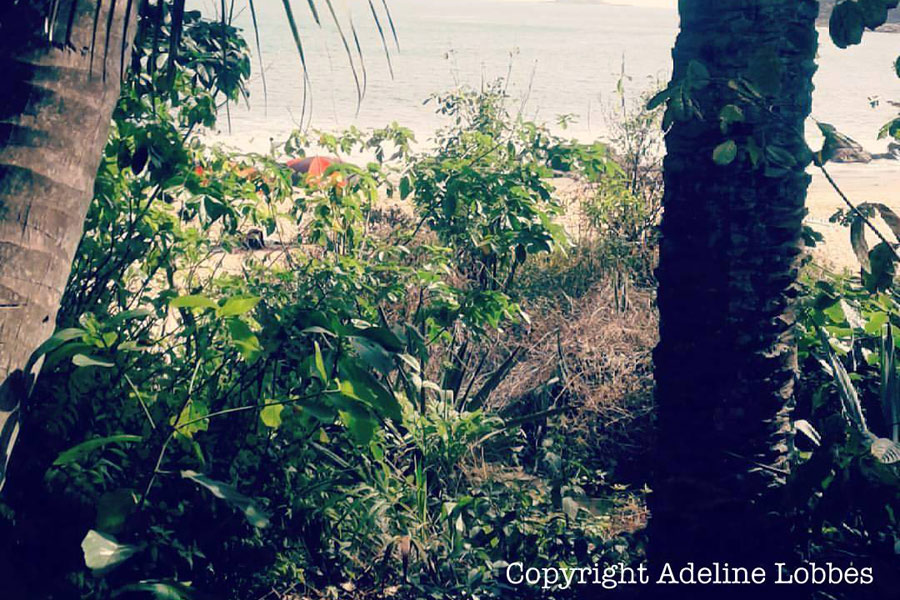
(731, 241)
(55, 111)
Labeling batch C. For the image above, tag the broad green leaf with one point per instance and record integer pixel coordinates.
(270, 415)
(387, 338)
(82, 360)
(245, 340)
(193, 413)
(102, 552)
(128, 315)
(193, 301)
(254, 515)
(237, 306)
(56, 340)
(362, 428)
(368, 389)
(730, 113)
(725, 153)
(84, 448)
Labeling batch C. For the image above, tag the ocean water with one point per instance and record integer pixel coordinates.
(561, 58)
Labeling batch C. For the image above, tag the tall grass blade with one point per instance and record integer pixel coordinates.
(850, 404)
(494, 380)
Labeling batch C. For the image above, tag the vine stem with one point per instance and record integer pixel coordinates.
(856, 211)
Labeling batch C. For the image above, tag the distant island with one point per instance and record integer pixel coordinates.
(826, 6)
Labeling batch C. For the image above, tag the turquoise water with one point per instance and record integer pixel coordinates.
(563, 58)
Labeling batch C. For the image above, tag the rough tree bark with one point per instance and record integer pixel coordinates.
(55, 111)
(731, 240)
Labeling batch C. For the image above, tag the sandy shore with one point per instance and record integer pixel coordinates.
(878, 181)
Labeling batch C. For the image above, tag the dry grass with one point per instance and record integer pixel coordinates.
(599, 346)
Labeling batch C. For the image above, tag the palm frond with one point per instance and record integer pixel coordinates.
(340, 30)
(163, 21)
(262, 70)
(314, 11)
(298, 42)
(387, 53)
(387, 11)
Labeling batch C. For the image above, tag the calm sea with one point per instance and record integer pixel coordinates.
(561, 57)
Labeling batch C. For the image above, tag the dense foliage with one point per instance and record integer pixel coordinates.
(270, 383)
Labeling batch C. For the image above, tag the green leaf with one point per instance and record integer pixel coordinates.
(697, 75)
(161, 590)
(320, 363)
(780, 157)
(846, 24)
(405, 188)
(113, 508)
(254, 515)
(883, 266)
(245, 340)
(128, 315)
(270, 415)
(874, 12)
(859, 244)
(730, 113)
(53, 342)
(193, 413)
(366, 388)
(102, 552)
(725, 153)
(84, 448)
(82, 360)
(237, 306)
(193, 301)
(361, 427)
(658, 99)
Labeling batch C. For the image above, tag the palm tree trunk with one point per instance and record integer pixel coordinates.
(55, 111)
(731, 241)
